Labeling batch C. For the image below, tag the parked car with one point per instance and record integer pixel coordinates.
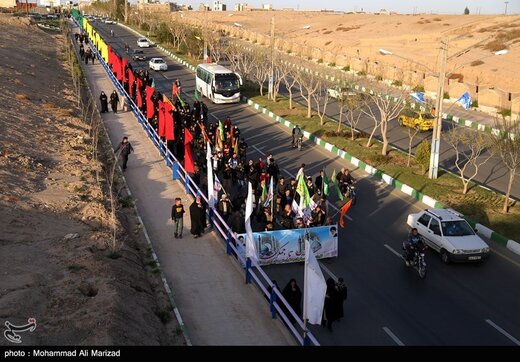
(157, 64)
(340, 92)
(138, 54)
(143, 43)
(418, 120)
(447, 232)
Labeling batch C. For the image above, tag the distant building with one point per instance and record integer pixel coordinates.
(267, 6)
(218, 6)
(241, 7)
(204, 7)
(7, 3)
(157, 7)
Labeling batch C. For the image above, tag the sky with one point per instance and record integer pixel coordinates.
(401, 6)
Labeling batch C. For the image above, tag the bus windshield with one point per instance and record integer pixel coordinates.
(226, 82)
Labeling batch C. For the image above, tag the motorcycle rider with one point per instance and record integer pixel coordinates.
(296, 134)
(345, 180)
(413, 243)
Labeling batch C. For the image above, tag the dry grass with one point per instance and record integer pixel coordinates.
(18, 82)
(437, 19)
(343, 28)
(49, 106)
(23, 97)
(495, 45)
(476, 62)
(327, 32)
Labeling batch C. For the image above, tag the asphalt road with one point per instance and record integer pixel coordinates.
(462, 304)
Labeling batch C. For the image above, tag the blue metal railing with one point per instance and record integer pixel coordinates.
(254, 271)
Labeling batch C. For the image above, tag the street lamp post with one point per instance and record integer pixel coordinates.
(437, 127)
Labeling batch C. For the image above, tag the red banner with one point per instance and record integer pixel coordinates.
(162, 113)
(150, 109)
(189, 165)
(169, 122)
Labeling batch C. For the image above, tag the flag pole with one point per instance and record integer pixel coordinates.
(305, 330)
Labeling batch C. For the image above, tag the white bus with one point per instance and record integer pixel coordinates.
(218, 83)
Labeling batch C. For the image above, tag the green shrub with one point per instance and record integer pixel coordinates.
(418, 88)
(145, 26)
(505, 112)
(126, 202)
(397, 83)
(320, 60)
(346, 68)
(362, 73)
(332, 64)
(446, 95)
(474, 104)
(422, 155)
(379, 77)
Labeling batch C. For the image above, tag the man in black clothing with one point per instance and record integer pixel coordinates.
(280, 193)
(177, 215)
(126, 148)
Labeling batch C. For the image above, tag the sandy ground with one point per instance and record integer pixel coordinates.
(54, 260)
(417, 37)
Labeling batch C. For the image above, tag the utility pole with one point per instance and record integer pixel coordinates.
(270, 91)
(506, 2)
(437, 127)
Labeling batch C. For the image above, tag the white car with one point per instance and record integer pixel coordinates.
(143, 43)
(157, 64)
(339, 92)
(448, 233)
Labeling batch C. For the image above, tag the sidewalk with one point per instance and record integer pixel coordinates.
(217, 306)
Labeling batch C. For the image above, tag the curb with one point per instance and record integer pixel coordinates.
(512, 245)
(140, 220)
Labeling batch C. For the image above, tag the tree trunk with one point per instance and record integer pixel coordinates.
(309, 107)
(465, 190)
(512, 172)
(261, 89)
(340, 119)
(369, 142)
(290, 98)
(384, 128)
(409, 153)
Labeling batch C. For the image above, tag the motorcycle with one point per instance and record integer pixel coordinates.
(418, 262)
(351, 193)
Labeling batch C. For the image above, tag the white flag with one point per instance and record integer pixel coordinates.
(270, 193)
(250, 243)
(296, 209)
(211, 198)
(314, 288)
(217, 187)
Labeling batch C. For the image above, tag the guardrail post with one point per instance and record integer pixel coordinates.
(186, 183)
(306, 340)
(228, 243)
(161, 149)
(248, 273)
(211, 222)
(175, 171)
(272, 299)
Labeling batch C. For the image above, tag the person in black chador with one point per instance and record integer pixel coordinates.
(197, 217)
(114, 100)
(103, 99)
(293, 295)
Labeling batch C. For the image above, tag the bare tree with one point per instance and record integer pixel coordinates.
(507, 146)
(412, 132)
(261, 67)
(383, 109)
(290, 81)
(353, 105)
(470, 146)
(282, 69)
(114, 190)
(321, 99)
(309, 84)
(178, 32)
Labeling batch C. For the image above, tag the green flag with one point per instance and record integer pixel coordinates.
(197, 97)
(180, 100)
(221, 130)
(336, 186)
(325, 184)
(301, 188)
(263, 197)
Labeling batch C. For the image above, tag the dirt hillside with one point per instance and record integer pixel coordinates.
(415, 37)
(54, 256)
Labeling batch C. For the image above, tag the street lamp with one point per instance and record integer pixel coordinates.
(437, 127)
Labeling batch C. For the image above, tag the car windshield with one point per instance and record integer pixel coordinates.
(456, 228)
(142, 40)
(159, 61)
(226, 82)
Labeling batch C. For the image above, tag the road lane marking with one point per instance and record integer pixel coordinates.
(287, 172)
(328, 271)
(393, 251)
(505, 257)
(259, 150)
(498, 328)
(393, 336)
